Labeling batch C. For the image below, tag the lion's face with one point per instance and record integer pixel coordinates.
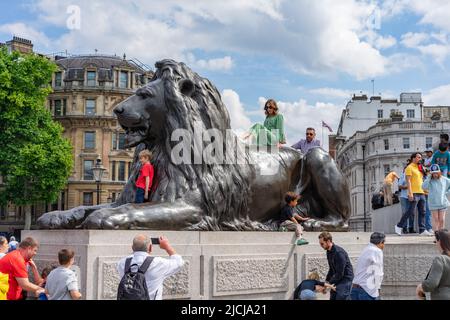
(143, 115)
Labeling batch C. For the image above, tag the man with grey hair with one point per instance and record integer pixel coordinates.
(369, 270)
(159, 268)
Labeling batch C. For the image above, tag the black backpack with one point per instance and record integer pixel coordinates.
(133, 285)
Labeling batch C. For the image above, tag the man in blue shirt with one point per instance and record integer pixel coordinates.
(310, 142)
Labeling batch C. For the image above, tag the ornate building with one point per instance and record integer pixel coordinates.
(86, 90)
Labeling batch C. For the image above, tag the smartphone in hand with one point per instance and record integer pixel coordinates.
(155, 240)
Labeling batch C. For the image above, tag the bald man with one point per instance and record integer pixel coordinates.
(159, 269)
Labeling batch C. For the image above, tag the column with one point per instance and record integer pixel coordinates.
(126, 171)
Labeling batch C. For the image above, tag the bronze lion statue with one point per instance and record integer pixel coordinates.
(243, 191)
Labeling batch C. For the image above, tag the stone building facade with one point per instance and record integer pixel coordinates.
(367, 156)
(85, 91)
(86, 88)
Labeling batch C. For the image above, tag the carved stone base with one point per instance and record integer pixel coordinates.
(232, 265)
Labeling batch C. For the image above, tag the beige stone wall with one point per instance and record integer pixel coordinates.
(233, 265)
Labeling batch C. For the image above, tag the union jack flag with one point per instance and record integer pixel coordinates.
(326, 126)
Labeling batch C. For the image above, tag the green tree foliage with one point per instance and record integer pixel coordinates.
(35, 159)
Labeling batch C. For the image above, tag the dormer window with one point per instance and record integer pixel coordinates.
(58, 79)
(123, 83)
(91, 78)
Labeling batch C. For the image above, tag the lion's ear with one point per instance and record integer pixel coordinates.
(187, 87)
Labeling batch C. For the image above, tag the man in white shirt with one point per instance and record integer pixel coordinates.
(369, 270)
(160, 268)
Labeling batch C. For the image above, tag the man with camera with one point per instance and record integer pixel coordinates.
(154, 269)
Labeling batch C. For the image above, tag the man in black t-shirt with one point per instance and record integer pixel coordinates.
(290, 220)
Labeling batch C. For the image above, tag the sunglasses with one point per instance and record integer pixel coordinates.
(269, 107)
(310, 134)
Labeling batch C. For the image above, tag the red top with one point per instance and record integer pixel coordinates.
(14, 265)
(146, 171)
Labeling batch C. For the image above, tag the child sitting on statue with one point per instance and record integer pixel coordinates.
(290, 220)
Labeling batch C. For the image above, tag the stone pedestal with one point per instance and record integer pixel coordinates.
(231, 265)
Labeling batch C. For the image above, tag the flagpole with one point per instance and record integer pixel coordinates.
(323, 145)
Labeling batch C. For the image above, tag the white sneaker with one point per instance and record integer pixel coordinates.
(431, 232)
(424, 234)
(398, 230)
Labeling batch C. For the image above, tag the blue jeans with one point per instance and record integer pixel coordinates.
(139, 195)
(419, 202)
(404, 206)
(428, 224)
(361, 294)
(342, 291)
(308, 295)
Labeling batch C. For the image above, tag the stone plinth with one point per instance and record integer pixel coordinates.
(231, 265)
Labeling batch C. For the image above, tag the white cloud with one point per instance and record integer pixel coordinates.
(413, 39)
(312, 37)
(299, 115)
(219, 64)
(435, 45)
(239, 120)
(24, 31)
(332, 92)
(438, 96)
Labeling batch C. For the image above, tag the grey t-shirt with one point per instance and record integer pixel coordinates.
(60, 282)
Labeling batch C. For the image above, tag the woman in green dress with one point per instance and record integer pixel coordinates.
(272, 132)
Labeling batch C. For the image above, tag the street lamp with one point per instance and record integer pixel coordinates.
(98, 171)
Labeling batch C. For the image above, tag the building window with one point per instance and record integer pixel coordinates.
(88, 165)
(387, 169)
(122, 140)
(123, 83)
(118, 143)
(90, 107)
(380, 114)
(428, 142)
(386, 144)
(89, 140)
(88, 198)
(58, 79)
(114, 141)
(60, 107)
(113, 171)
(91, 78)
(373, 146)
(405, 143)
(410, 113)
(63, 200)
(121, 170)
(373, 174)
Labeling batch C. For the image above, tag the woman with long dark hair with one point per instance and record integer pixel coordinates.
(437, 281)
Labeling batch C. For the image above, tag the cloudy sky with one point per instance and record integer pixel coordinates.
(309, 55)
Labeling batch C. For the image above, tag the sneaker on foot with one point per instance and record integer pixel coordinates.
(398, 230)
(431, 232)
(301, 241)
(424, 233)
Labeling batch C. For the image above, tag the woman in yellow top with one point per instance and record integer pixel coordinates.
(272, 132)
